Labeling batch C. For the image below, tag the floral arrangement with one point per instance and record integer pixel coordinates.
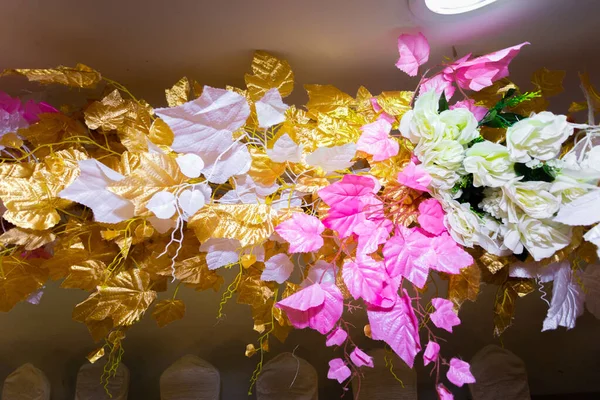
(352, 203)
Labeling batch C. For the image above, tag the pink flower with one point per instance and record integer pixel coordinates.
(444, 316)
(360, 358)
(338, 370)
(459, 372)
(318, 306)
(31, 110)
(415, 177)
(302, 232)
(414, 51)
(375, 140)
(478, 111)
(481, 72)
(431, 352)
(337, 337)
(443, 393)
(431, 216)
(438, 83)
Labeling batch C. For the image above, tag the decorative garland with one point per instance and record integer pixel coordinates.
(351, 203)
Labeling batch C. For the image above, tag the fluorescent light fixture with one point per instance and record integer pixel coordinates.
(455, 6)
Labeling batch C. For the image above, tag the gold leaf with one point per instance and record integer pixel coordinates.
(263, 170)
(87, 275)
(464, 286)
(387, 171)
(80, 76)
(367, 331)
(18, 279)
(136, 127)
(550, 83)
(493, 263)
(327, 99)
(250, 350)
(253, 290)
(522, 287)
(363, 104)
(403, 203)
(52, 128)
(311, 184)
(194, 271)
(179, 93)
(167, 311)
(504, 308)
(95, 355)
(30, 239)
(587, 252)
(11, 140)
(592, 93)
(156, 172)
(577, 106)
(251, 224)
(161, 133)
(269, 72)
(566, 252)
(99, 329)
(124, 299)
(395, 103)
(489, 96)
(109, 113)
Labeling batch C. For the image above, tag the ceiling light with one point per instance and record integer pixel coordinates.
(455, 6)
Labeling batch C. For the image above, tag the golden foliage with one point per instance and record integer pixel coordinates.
(52, 128)
(504, 308)
(29, 239)
(80, 76)
(269, 72)
(18, 279)
(464, 286)
(87, 275)
(179, 93)
(167, 311)
(550, 83)
(263, 170)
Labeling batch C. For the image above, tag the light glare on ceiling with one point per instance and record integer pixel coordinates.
(455, 6)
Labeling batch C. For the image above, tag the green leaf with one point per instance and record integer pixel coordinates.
(443, 105)
(543, 173)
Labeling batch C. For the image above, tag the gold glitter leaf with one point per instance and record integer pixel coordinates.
(327, 99)
(167, 311)
(179, 93)
(194, 271)
(52, 128)
(161, 133)
(395, 103)
(18, 279)
(95, 355)
(29, 239)
(504, 308)
(109, 113)
(263, 170)
(86, 275)
(269, 72)
(549, 82)
(124, 299)
(11, 140)
(464, 286)
(80, 76)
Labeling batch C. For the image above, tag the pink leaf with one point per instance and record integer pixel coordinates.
(309, 297)
(375, 140)
(438, 83)
(448, 256)
(443, 393)
(431, 352)
(414, 51)
(408, 254)
(344, 218)
(338, 370)
(350, 189)
(444, 316)
(415, 177)
(366, 279)
(371, 234)
(459, 372)
(398, 327)
(337, 337)
(431, 216)
(360, 358)
(302, 232)
(478, 111)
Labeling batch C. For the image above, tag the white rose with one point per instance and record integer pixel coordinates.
(539, 136)
(460, 125)
(568, 189)
(441, 178)
(462, 223)
(491, 237)
(494, 203)
(423, 121)
(541, 238)
(533, 198)
(443, 161)
(490, 164)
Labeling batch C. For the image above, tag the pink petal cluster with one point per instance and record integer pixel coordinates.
(444, 316)
(459, 372)
(376, 140)
(302, 232)
(414, 52)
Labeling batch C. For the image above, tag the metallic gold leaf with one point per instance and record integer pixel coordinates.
(250, 350)
(363, 105)
(269, 72)
(395, 103)
(124, 299)
(566, 252)
(156, 173)
(504, 308)
(403, 203)
(109, 113)
(52, 128)
(327, 99)
(179, 93)
(86, 275)
(29, 239)
(587, 252)
(522, 287)
(263, 170)
(167, 311)
(489, 96)
(80, 76)
(136, 127)
(550, 83)
(95, 355)
(18, 279)
(11, 140)
(464, 286)
(161, 133)
(251, 224)
(253, 290)
(387, 171)
(495, 135)
(194, 271)
(577, 106)
(99, 329)
(493, 263)
(311, 184)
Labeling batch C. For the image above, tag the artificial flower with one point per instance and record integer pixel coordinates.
(490, 164)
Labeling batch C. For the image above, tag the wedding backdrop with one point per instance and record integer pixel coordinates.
(357, 217)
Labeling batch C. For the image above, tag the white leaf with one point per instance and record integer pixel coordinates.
(591, 283)
(270, 109)
(256, 251)
(277, 268)
(567, 300)
(162, 225)
(247, 191)
(162, 204)
(204, 126)
(90, 190)
(320, 272)
(285, 149)
(332, 158)
(583, 210)
(190, 165)
(593, 236)
(193, 199)
(220, 252)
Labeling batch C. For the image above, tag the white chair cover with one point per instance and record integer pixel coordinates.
(500, 375)
(190, 378)
(26, 383)
(287, 377)
(378, 383)
(90, 387)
